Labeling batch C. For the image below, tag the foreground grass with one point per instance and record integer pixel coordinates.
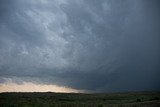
(48, 99)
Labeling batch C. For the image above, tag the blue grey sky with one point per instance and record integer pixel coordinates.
(92, 45)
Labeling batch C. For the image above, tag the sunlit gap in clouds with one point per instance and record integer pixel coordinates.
(31, 87)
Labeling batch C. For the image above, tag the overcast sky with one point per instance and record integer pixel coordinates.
(92, 45)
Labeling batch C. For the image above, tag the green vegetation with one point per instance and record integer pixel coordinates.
(48, 99)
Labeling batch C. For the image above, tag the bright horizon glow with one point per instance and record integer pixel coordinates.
(31, 87)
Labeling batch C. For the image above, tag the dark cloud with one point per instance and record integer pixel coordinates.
(97, 45)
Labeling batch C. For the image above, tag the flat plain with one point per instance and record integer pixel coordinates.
(50, 99)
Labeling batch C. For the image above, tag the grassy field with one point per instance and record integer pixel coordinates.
(48, 99)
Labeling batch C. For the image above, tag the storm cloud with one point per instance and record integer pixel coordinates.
(95, 45)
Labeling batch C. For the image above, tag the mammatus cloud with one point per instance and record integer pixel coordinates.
(96, 45)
